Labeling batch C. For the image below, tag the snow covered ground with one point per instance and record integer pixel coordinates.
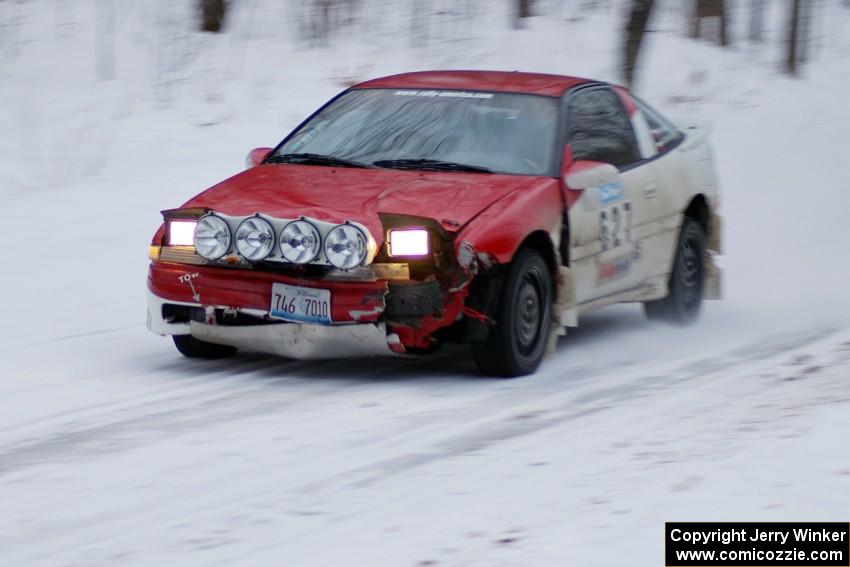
(114, 449)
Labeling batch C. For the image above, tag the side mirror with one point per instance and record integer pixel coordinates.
(256, 157)
(585, 174)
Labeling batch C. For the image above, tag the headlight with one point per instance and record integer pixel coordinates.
(345, 246)
(300, 242)
(409, 242)
(181, 232)
(254, 238)
(212, 237)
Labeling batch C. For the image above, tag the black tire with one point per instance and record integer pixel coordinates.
(191, 347)
(687, 281)
(516, 344)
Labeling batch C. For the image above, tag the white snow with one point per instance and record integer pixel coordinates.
(114, 449)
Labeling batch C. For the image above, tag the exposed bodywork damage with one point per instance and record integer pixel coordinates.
(370, 308)
(409, 302)
(419, 336)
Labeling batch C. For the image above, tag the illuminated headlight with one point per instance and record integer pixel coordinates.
(255, 238)
(300, 242)
(212, 237)
(181, 232)
(409, 242)
(346, 246)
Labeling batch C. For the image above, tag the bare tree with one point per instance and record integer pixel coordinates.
(793, 55)
(523, 10)
(212, 14)
(710, 19)
(635, 30)
(756, 20)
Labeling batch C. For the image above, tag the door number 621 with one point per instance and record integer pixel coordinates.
(615, 225)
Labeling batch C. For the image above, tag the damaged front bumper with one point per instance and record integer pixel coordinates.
(292, 340)
(232, 307)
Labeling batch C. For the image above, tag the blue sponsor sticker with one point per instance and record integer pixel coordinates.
(610, 193)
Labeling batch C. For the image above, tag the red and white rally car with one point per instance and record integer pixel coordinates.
(489, 208)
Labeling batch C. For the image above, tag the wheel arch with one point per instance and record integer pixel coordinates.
(701, 211)
(698, 209)
(541, 241)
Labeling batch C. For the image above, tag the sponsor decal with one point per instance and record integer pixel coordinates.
(187, 279)
(448, 94)
(613, 269)
(610, 193)
(618, 266)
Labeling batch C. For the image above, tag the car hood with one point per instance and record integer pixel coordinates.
(339, 194)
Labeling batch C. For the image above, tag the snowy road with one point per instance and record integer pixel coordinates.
(147, 458)
(115, 450)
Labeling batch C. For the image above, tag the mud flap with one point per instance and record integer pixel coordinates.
(713, 274)
(713, 279)
(564, 313)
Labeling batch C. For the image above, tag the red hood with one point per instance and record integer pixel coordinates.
(339, 194)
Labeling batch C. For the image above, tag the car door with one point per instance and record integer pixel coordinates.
(671, 171)
(607, 223)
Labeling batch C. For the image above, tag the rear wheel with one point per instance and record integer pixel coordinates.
(684, 300)
(515, 346)
(191, 347)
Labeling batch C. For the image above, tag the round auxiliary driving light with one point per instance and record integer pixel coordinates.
(255, 238)
(212, 237)
(300, 242)
(345, 246)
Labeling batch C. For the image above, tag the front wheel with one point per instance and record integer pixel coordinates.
(191, 347)
(684, 299)
(515, 346)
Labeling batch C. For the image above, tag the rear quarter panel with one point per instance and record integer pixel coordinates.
(683, 173)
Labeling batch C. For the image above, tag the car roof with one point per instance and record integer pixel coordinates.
(500, 81)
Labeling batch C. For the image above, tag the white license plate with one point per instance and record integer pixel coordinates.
(302, 304)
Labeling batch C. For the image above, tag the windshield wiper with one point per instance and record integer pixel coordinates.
(315, 159)
(431, 164)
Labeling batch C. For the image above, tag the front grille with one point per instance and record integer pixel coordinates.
(173, 313)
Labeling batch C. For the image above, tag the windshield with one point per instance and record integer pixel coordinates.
(434, 129)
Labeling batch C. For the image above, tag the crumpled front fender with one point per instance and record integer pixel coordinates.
(499, 230)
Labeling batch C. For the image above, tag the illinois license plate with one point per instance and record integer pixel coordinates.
(301, 304)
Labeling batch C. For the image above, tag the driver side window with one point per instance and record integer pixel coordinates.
(598, 128)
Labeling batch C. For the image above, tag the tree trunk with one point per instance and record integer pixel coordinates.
(693, 24)
(792, 59)
(756, 20)
(635, 30)
(212, 14)
(523, 10)
(715, 12)
(724, 22)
